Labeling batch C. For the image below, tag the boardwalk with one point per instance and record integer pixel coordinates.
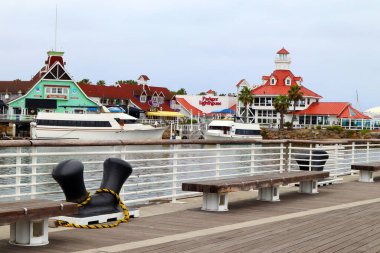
(342, 218)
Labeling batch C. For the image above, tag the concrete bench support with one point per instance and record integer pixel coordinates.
(366, 171)
(215, 202)
(310, 187)
(269, 194)
(29, 219)
(29, 232)
(366, 176)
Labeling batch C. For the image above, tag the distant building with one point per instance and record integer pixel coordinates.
(309, 111)
(52, 89)
(151, 101)
(206, 105)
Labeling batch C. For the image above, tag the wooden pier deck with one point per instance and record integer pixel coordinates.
(343, 217)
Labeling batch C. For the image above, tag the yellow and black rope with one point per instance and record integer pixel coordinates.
(97, 226)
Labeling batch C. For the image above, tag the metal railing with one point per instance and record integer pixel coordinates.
(159, 168)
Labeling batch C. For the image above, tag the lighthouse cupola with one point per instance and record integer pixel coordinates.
(283, 61)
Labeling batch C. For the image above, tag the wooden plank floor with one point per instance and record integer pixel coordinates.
(353, 228)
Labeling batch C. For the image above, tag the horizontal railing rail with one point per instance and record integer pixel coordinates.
(160, 167)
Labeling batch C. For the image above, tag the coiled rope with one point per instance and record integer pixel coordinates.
(97, 226)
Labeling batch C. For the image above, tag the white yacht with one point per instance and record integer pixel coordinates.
(228, 129)
(93, 126)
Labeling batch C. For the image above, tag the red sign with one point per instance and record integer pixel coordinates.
(56, 96)
(209, 101)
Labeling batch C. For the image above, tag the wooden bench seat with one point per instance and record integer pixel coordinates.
(29, 219)
(366, 170)
(215, 192)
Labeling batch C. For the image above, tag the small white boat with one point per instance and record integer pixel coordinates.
(93, 126)
(228, 129)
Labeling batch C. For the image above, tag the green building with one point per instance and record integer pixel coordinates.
(52, 90)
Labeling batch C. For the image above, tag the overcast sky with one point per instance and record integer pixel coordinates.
(198, 44)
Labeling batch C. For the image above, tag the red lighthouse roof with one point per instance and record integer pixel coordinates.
(283, 51)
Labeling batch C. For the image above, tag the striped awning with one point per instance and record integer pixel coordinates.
(165, 114)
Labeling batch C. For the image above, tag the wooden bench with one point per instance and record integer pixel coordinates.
(215, 191)
(366, 170)
(29, 219)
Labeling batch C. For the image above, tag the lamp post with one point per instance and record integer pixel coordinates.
(191, 119)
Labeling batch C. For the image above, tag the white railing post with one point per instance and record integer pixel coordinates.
(217, 161)
(281, 157)
(336, 150)
(367, 152)
(18, 172)
(290, 156)
(34, 172)
(123, 157)
(353, 153)
(174, 177)
(310, 155)
(253, 159)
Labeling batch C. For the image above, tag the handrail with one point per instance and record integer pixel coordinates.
(75, 142)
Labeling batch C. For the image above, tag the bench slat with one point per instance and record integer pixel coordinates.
(11, 212)
(371, 166)
(253, 182)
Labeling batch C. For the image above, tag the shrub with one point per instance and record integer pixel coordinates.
(288, 125)
(337, 129)
(318, 127)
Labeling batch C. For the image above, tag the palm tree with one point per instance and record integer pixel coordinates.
(84, 81)
(101, 83)
(281, 104)
(246, 97)
(181, 91)
(295, 95)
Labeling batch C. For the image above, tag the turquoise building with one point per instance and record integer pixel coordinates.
(53, 90)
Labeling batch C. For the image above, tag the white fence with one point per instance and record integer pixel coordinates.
(159, 168)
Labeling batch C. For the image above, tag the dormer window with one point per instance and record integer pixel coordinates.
(288, 81)
(143, 98)
(272, 81)
(160, 100)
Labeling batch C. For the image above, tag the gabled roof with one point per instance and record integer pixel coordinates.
(283, 51)
(281, 90)
(280, 75)
(189, 107)
(338, 109)
(130, 92)
(240, 82)
(144, 77)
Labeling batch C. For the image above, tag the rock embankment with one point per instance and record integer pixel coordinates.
(318, 134)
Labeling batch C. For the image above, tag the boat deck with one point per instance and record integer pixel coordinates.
(343, 217)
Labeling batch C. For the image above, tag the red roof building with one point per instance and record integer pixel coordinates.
(309, 110)
(141, 96)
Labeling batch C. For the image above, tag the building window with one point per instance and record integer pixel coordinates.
(288, 81)
(160, 100)
(57, 92)
(272, 81)
(143, 98)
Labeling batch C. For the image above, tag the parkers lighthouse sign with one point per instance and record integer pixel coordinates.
(209, 101)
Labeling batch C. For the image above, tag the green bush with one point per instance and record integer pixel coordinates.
(188, 121)
(365, 131)
(288, 125)
(318, 127)
(337, 129)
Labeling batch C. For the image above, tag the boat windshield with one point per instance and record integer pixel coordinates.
(247, 132)
(218, 128)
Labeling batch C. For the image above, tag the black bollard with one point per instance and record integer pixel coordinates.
(318, 160)
(69, 175)
(115, 173)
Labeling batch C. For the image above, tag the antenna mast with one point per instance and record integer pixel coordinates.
(55, 30)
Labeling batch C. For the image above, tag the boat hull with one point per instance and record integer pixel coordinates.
(98, 134)
(209, 136)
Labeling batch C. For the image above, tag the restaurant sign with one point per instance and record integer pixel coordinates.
(209, 101)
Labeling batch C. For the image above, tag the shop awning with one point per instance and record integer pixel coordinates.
(165, 114)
